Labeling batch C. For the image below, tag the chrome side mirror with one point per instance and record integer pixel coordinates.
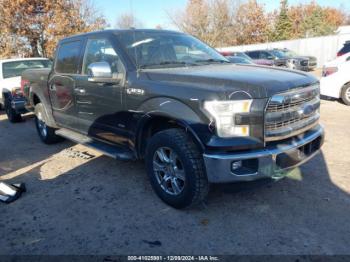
(100, 72)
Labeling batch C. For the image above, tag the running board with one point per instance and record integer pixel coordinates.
(105, 148)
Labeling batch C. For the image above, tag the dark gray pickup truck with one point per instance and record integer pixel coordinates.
(170, 99)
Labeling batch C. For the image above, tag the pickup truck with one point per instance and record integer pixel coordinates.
(11, 97)
(171, 100)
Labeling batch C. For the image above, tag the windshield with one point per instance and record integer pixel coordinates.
(290, 53)
(239, 60)
(241, 54)
(279, 54)
(166, 49)
(15, 68)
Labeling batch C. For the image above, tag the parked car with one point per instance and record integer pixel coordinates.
(335, 82)
(266, 57)
(237, 57)
(11, 97)
(345, 49)
(168, 98)
(335, 63)
(295, 61)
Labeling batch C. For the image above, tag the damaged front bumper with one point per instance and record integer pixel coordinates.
(271, 162)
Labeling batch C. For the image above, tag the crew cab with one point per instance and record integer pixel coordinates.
(11, 97)
(175, 102)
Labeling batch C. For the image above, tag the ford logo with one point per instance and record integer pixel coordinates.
(306, 110)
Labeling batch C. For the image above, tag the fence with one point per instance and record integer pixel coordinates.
(323, 48)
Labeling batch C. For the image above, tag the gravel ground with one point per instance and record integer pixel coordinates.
(80, 202)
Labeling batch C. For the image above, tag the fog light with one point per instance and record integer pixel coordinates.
(236, 165)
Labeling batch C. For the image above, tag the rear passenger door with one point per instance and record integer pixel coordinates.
(62, 83)
(100, 105)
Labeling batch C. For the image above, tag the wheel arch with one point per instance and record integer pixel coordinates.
(151, 124)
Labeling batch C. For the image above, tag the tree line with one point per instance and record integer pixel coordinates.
(228, 22)
(33, 27)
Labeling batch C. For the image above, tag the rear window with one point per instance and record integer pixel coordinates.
(68, 58)
(15, 68)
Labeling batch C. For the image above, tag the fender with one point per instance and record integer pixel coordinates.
(172, 109)
(48, 116)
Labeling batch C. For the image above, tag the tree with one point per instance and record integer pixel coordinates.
(211, 21)
(251, 23)
(127, 21)
(283, 26)
(313, 20)
(194, 19)
(35, 26)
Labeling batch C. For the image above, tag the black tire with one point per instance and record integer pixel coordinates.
(195, 187)
(12, 115)
(345, 94)
(47, 134)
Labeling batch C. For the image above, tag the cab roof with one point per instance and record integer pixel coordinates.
(118, 31)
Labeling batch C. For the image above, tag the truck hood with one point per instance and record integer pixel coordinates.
(257, 81)
(10, 83)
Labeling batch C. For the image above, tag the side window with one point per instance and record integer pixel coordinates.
(253, 55)
(101, 50)
(263, 55)
(67, 60)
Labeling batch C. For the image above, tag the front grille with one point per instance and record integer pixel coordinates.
(304, 62)
(292, 113)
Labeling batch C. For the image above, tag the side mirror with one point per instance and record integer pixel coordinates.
(270, 57)
(348, 59)
(101, 72)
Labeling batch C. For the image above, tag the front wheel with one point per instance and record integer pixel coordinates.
(176, 170)
(345, 94)
(47, 134)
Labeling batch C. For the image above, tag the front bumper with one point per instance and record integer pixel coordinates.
(271, 162)
(306, 68)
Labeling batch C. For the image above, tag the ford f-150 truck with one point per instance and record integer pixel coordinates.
(11, 97)
(175, 102)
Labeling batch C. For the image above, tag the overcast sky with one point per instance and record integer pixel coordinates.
(154, 12)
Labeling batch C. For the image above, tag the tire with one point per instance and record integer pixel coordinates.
(345, 94)
(12, 115)
(176, 170)
(47, 134)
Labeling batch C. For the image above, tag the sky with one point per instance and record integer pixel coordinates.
(156, 12)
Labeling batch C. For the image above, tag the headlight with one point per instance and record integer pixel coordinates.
(224, 114)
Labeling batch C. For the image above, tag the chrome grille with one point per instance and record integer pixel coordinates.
(292, 113)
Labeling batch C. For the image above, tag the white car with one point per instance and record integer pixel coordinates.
(11, 98)
(335, 81)
(339, 60)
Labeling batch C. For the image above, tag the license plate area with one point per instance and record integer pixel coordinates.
(294, 157)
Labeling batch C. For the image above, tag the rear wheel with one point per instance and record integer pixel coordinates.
(176, 169)
(47, 134)
(345, 94)
(12, 115)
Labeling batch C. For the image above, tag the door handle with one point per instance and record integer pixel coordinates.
(80, 90)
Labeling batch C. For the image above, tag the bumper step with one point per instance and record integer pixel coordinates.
(113, 151)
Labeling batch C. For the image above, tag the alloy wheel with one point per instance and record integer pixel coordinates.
(169, 171)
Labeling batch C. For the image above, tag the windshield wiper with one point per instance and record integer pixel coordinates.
(166, 63)
(211, 60)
